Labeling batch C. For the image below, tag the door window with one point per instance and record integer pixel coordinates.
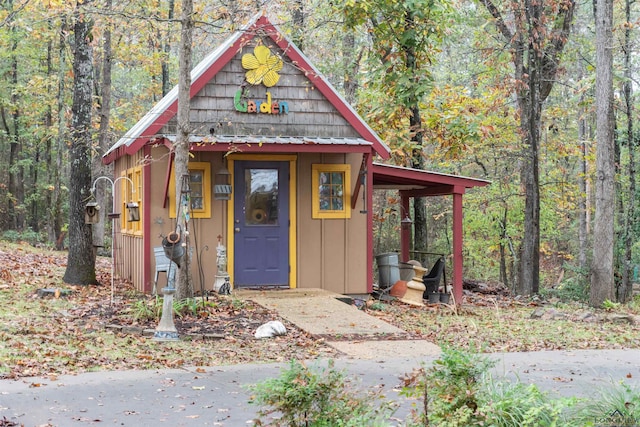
(261, 197)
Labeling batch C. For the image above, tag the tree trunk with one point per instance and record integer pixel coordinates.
(184, 284)
(16, 171)
(351, 65)
(48, 156)
(530, 107)
(166, 82)
(297, 16)
(420, 243)
(81, 261)
(625, 290)
(583, 207)
(602, 283)
(55, 209)
(104, 141)
(536, 41)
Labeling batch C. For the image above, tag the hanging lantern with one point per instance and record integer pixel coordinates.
(91, 211)
(134, 212)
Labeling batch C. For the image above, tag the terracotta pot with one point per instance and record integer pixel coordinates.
(398, 289)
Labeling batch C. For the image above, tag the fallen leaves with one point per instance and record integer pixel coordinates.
(53, 336)
(499, 323)
(83, 331)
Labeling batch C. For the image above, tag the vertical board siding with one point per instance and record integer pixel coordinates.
(332, 251)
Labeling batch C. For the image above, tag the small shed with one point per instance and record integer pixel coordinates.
(281, 174)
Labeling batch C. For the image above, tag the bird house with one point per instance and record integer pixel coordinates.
(91, 211)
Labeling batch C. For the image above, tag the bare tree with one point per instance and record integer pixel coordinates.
(536, 35)
(104, 140)
(628, 214)
(81, 260)
(184, 286)
(602, 283)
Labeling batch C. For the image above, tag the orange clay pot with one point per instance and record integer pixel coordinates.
(398, 289)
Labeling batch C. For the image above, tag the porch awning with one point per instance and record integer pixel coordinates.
(419, 182)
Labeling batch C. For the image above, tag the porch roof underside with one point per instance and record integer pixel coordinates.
(418, 183)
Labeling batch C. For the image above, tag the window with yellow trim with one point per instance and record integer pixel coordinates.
(331, 186)
(200, 194)
(131, 191)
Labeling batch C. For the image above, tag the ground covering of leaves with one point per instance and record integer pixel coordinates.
(87, 329)
(493, 321)
(70, 333)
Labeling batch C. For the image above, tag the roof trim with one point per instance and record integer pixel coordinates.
(167, 107)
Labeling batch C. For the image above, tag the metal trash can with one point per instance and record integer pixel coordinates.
(406, 271)
(388, 269)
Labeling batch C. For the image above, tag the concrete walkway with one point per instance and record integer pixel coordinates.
(346, 328)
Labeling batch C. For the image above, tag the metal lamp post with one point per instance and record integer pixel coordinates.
(113, 217)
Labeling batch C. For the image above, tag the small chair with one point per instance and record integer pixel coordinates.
(432, 279)
(162, 264)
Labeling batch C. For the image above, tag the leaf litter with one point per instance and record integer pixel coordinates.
(83, 331)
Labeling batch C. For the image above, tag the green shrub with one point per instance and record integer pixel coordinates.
(521, 405)
(317, 398)
(450, 389)
(28, 235)
(146, 310)
(618, 405)
(575, 287)
(11, 236)
(457, 391)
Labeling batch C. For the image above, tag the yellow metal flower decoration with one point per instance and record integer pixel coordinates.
(262, 65)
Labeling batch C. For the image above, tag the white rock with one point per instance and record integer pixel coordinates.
(271, 329)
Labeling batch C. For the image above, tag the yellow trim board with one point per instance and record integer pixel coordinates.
(293, 253)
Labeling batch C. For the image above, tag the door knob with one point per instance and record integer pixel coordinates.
(237, 229)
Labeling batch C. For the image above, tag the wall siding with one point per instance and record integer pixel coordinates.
(310, 113)
(332, 252)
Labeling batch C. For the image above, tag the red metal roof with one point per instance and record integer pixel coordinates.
(420, 182)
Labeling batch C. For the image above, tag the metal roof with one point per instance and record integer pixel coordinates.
(286, 140)
(402, 178)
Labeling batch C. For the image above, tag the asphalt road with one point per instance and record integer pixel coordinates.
(217, 396)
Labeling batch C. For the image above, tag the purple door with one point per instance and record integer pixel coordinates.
(261, 223)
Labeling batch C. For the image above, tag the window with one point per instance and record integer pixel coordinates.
(131, 192)
(331, 189)
(200, 186)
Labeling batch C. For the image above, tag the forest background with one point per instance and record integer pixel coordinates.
(455, 109)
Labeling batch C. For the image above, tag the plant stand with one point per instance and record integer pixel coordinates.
(415, 287)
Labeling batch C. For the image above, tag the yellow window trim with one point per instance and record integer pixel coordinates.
(316, 170)
(127, 195)
(206, 190)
